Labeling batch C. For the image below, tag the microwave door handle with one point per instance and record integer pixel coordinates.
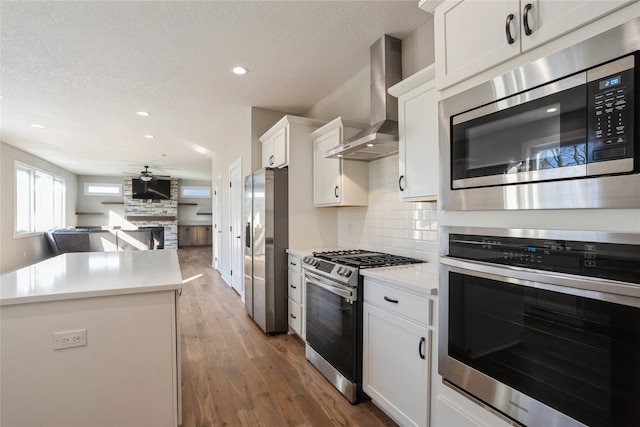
(326, 285)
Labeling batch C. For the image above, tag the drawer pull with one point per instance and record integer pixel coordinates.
(293, 263)
(420, 345)
(294, 287)
(294, 317)
(395, 301)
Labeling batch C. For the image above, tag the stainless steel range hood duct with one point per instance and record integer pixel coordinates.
(381, 138)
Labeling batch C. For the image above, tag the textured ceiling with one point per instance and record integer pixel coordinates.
(83, 68)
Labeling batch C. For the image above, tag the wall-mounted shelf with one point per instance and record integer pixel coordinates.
(187, 204)
(113, 203)
(89, 213)
(151, 218)
(204, 213)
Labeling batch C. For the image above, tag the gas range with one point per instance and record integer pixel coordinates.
(333, 319)
(343, 265)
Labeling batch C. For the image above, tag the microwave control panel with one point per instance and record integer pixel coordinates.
(611, 104)
(614, 261)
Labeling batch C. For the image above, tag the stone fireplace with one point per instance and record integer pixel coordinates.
(154, 213)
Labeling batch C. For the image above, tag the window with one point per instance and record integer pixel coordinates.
(201, 192)
(39, 200)
(102, 189)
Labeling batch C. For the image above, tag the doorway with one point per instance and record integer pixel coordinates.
(217, 221)
(235, 227)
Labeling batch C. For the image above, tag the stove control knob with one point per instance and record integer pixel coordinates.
(347, 272)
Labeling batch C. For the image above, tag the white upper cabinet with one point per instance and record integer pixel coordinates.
(472, 36)
(275, 149)
(338, 182)
(418, 132)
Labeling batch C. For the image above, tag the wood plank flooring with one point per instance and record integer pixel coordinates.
(234, 375)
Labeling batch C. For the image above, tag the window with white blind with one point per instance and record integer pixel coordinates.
(40, 200)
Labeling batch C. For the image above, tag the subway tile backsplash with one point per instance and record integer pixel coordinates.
(387, 224)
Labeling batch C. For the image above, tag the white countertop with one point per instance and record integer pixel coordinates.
(420, 278)
(92, 274)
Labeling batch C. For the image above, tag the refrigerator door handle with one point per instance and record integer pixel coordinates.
(247, 235)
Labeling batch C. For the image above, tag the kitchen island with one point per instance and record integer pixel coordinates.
(91, 338)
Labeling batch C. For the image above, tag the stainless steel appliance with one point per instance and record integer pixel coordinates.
(381, 138)
(333, 305)
(543, 327)
(560, 132)
(266, 238)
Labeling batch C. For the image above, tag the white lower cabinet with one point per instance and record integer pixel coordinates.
(295, 285)
(397, 353)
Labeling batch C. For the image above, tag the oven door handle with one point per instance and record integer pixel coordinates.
(333, 287)
(583, 286)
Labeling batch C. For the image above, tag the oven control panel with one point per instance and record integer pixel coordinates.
(612, 261)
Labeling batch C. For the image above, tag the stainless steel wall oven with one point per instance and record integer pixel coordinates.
(543, 327)
(560, 132)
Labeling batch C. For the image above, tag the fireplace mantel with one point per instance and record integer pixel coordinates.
(133, 218)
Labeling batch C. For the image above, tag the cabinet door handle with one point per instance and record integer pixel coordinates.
(395, 301)
(510, 38)
(292, 316)
(400, 180)
(335, 191)
(271, 160)
(294, 287)
(423, 340)
(525, 19)
(293, 263)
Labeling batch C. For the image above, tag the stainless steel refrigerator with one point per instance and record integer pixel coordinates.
(266, 237)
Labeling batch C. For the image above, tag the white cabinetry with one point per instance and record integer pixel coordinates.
(418, 132)
(472, 36)
(296, 295)
(275, 149)
(307, 225)
(338, 182)
(397, 352)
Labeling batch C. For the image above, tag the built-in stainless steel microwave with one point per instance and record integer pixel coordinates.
(560, 132)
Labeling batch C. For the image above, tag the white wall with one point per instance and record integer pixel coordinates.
(112, 214)
(194, 215)
(17, 252)
(387, 224)
(234, 146)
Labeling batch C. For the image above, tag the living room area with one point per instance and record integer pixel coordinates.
(97, 213)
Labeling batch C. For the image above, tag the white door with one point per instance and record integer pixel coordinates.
(217, 218)
(235, 229)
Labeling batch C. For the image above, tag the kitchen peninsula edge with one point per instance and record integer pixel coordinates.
(126, 371)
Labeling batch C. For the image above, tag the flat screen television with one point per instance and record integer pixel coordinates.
(156, 189)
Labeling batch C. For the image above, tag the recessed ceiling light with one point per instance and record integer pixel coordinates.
(552, 110)
(239, 70)
(142, 113)
(149, 136)
(35, 125)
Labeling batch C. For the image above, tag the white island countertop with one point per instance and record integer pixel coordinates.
(92, 274)
(420, 278)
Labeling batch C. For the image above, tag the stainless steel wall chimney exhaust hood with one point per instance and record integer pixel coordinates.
(381, 138)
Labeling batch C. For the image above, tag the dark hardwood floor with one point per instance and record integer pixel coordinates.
(234, 375)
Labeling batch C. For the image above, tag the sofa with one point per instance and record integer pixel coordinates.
(98, 240)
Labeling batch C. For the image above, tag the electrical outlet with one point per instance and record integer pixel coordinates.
(68, 339)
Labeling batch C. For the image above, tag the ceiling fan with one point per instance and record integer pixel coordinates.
(146, 175)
